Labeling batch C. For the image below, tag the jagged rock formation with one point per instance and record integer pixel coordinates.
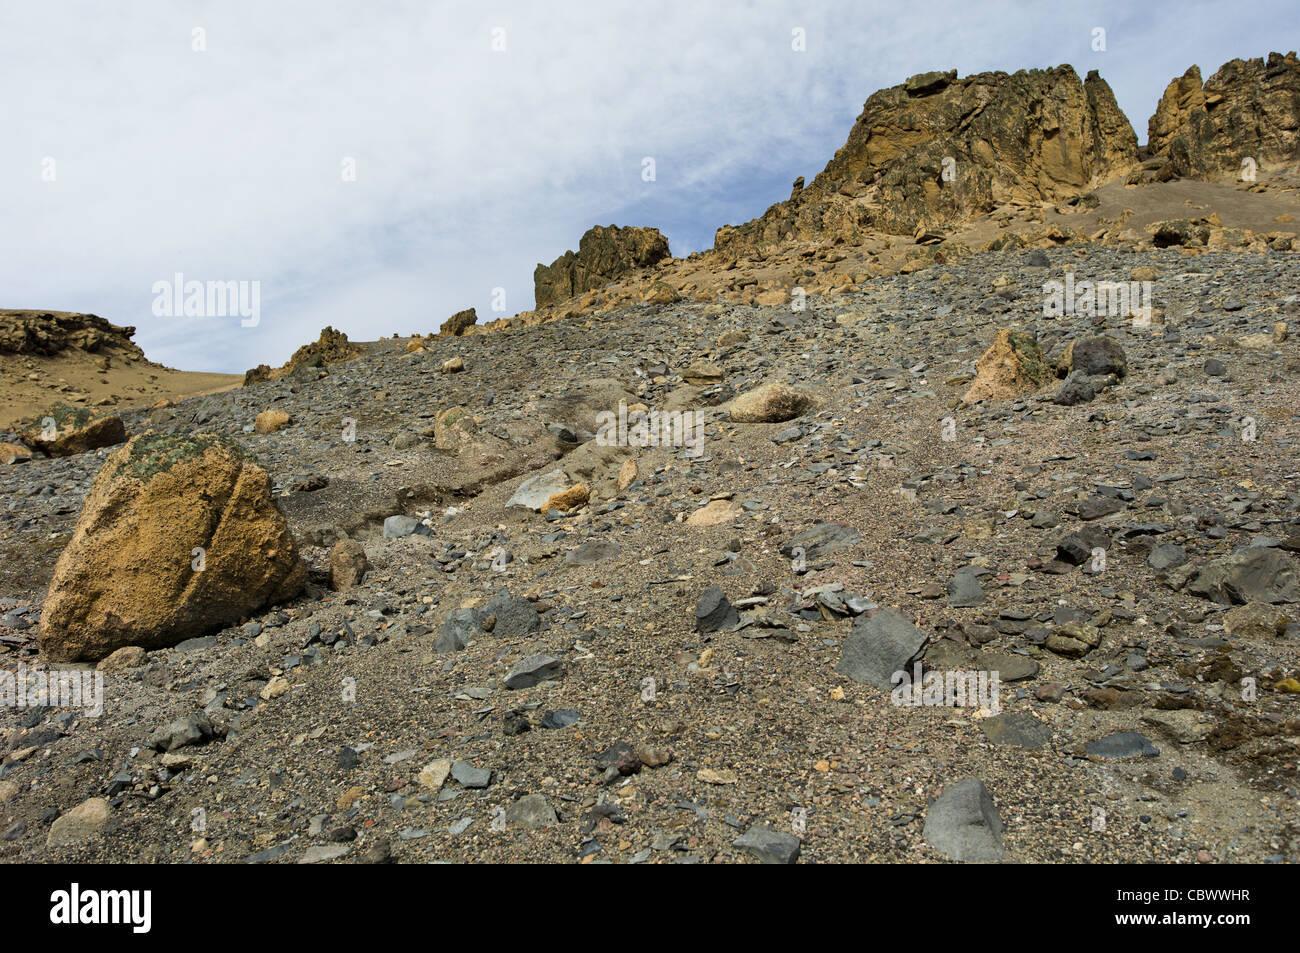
(459, 323)
(1248, 109)
(330, 348)
(937, 149)
(603, 255)
(47, 333)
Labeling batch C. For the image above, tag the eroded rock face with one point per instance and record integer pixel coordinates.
(1033, 136)
(178, 536)
(459, 323)
(47, 333)
(1248, 109)
(603, 255)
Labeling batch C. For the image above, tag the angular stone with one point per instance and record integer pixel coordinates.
(535, 491)
(1256, 620)
(1258, 574)
(879, 646)
(1166, 556)
(457, 629)
(515, 616)
(1124, 744)
(348, 564)
(190, 730)
(532, 812)
(768, 845)
(81, 823)
(964, 590)
(469, 776)
(1020, 729)
(532, 669)
(1073, 639)
(964, 823)
(1008, 666)
(433, 774)
(1076, 389)
(713, 612)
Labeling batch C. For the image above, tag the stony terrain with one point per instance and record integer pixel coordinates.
(754, 722)
(405, 601)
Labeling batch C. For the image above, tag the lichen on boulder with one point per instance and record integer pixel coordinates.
(1011, 367)
(178, 536)
(64, 430)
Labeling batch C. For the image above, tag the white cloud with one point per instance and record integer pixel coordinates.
(472, 165)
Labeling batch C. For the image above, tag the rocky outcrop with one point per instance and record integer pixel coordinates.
(178, 536)
(1248, 109)
(47, 333)
(459, 323)
(603, 255)
(331, 347)
(938, 149)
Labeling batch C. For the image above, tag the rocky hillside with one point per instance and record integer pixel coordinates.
(940, 167)
(518, 641)
(976, 542)
(50, 358)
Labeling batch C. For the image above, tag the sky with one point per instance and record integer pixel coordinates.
(378, 166)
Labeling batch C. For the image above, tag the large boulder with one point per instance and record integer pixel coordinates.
(771, 403)
(603, 255)
(64, 430)
(1094, 355)
(178, 536)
